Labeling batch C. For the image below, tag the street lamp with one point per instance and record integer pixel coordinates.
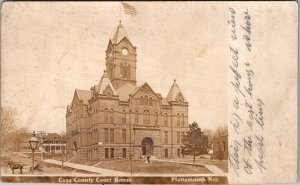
(33, 142)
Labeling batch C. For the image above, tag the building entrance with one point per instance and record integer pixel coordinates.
(147, 146)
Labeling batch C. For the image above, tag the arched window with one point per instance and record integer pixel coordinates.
(166, 119)
(142, 100)
(178, 120)
(156, 118)
(111, 116)
(146, 100)
(146, 117)
(105, 116)
(136, 117)
(182, 120)
(150, 101)
(123, 116)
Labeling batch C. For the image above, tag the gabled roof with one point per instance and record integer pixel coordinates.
(145, 85)
(105, 84)
(125, 90)
(175, 92)
(83, 95)
(120, 34)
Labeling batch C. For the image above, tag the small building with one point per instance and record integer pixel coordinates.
(220, 147)
(54, 143)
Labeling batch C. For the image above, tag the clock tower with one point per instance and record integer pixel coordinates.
(121, 59)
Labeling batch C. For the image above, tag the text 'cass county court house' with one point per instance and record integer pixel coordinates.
(118, 119)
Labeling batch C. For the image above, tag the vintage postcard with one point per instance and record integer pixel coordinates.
(149, 92)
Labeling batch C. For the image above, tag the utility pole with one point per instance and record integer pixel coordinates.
(40, 135)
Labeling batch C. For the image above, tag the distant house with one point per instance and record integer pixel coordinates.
(54, 143)
(220, 147)
(50, 142)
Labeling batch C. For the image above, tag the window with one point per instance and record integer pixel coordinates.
(166, 119)
(124, 152)
(182, 133)
(111, 115)
(97, 136)
(178, 153)
(146, 100)
(122, 71)
(105, 116)
(150, 101)
(166, 137)
(178, 137)
(156, 118)
(224, 146)
(178, 120)
(123, 116)
(124, 136)
(166, 153)
(182, 120)
(106, 153)
(142, 100)
(146, 117)
(128, 71)
(106, 135)
(57, 148)
(112, 135)
(112, 153)
(136, 117)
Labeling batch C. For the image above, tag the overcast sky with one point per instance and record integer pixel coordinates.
(49, 49)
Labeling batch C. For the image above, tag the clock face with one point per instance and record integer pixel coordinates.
(124, 51)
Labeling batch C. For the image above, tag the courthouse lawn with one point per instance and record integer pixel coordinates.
(27, 162)
(139, 166)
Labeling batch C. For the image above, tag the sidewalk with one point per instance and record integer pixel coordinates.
(91, 169)
(211, 168)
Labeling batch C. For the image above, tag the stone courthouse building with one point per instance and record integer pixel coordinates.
(118, 119)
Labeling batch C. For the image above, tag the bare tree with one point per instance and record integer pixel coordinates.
(8, 124)
(221, 131)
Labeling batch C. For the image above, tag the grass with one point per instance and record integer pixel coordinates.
(139, 166)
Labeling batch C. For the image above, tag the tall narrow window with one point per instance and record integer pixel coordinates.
(182, 120)
(178, 137)
(124, 152)
(166, 137)
(122, 71)
(182, 134)
(112, 153)
(105, 116)
(142, 100)
(111, 116)
(146, 100)
(128, 71)
(165, 119)
(178, 120)
(123, 116)
(106, 135)
(156, 118)
(112, 135)
(150, 101)
(146, 117)
(124, 136)
(136, 117)
(106, 153)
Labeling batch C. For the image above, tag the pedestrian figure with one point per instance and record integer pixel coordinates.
(148, 158)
